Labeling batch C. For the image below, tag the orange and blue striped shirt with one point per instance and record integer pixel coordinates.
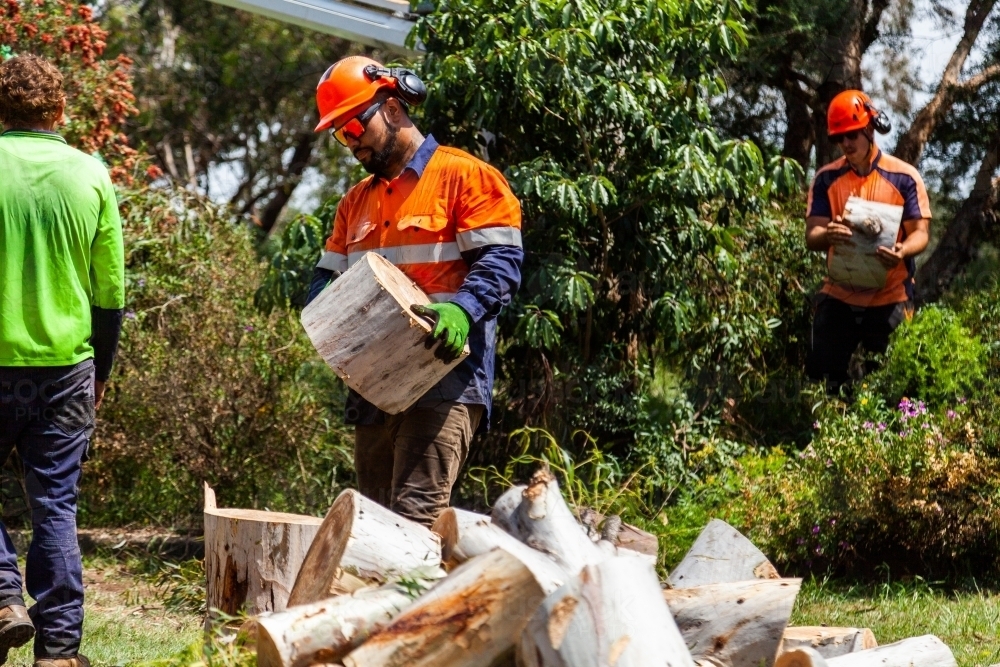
(890, 181)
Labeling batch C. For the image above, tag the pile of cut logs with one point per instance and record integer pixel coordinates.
(531, 585)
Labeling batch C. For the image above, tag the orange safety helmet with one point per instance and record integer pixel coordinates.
(345, 89)
(850, 110)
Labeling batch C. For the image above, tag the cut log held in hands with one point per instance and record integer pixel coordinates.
(828, 642)
(721, 554)
(328, 630)
(252, 558)
(465, 535)
(612, 613)
(544, 522)
(365, 540)
(925, 651)
(363, 328)
(470, 619)
(736, 624)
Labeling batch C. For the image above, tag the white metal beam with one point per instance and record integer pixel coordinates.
(383, 24)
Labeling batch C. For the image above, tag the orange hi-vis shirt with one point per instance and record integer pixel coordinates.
(890, 181)
(423, 220)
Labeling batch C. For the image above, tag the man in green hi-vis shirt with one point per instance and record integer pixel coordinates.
(62, 275)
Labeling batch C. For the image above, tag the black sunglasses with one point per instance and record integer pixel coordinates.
(850, 136)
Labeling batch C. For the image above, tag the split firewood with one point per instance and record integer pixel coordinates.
(612, 613)
(505, 508)
(721, 554)
(365, 540)
(828, 642)
(925, 651)
(623, 535)
(238, 579)
(544, 522)
(327, 630)
(465, 535)
(735, 624)
(471, 618)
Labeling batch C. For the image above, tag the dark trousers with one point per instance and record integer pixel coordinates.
(837, 330)
(47, 414)
(410, 463)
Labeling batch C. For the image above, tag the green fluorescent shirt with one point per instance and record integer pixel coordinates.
(61, 249)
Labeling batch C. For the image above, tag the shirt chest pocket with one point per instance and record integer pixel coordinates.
(432, 223)
(358, 233)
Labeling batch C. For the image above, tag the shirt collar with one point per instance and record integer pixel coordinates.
(872, 161)
(423, 155)
(43, 134)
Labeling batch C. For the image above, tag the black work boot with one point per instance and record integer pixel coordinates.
(78, 660)
(16, 629)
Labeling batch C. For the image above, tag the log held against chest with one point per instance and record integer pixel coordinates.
(363, 328)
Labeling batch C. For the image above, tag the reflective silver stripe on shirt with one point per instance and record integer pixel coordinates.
(425, 253)
(441, 297)
(333, 261)
(477, 238)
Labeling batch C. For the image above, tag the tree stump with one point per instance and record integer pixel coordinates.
(828, 642)
(612, 613)
(925, 651)
(721, 554)
(251, 557)
(736, 624)
(365, 540)
(328, 630)
(363, 328)
(470, 619)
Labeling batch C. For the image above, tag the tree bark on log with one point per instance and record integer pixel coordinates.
(252, 558)
(543, 521)
(721, 554)
(465, 535)
(328, 630)
(365, 540)
(612, 613)
(470, 619)
(363, 328)
(734, 624)
(828, 642)
(925, 651)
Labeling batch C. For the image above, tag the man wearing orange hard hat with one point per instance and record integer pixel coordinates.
(450, 222)
(855, 204)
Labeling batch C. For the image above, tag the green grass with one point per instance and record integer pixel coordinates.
(966, 620)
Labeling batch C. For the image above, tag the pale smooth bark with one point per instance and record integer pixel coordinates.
(738, 624)
(925, 651)
(612, 613)
(365, 540)
(721, 554)
(470, 619)
(828, 642)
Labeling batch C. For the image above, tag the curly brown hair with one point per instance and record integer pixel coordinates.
(31, 92)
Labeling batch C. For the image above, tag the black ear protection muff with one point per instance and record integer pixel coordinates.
(408, 85)
(879, 121)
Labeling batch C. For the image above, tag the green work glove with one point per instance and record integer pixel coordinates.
(451, 327)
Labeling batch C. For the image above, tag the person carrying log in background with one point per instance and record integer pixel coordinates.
(450, 223)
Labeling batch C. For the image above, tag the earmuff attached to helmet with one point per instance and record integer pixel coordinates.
(879, 122)
(408, 85)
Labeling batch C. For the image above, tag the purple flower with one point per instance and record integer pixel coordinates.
(142, 282)
(816, 530)
(248, 328)
(961, 400)
(952, 414)
(816, 424)
(819, 551)
(829, 462)
(925, 425)
(881, 427)
(903, 434)
(868, 426)
(800, 541)
(833, 522)
(130, 315)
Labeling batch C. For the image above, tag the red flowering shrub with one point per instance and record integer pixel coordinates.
(99, 91)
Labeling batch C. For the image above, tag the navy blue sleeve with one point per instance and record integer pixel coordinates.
(907, 187)
(105, 330)
(493, 280)
(819, 196)
(320, 279)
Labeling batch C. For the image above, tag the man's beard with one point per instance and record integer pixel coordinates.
(378, 163)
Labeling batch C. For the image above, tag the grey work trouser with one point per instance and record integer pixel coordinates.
(410, 463)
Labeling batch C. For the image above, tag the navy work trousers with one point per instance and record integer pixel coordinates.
(48, 415)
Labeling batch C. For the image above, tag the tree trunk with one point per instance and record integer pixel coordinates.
(828, 642)
(612, 613)
(911, 144)
(470, 619)
(363, 328)
(840, 58)
(252, 558)
(735, 624)
(282, 193)
(974, 222)
(328, 630)
(721, 554)
(465, 535)
(365, 540)
(799, 132)
(544, 522)
(926, 651)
